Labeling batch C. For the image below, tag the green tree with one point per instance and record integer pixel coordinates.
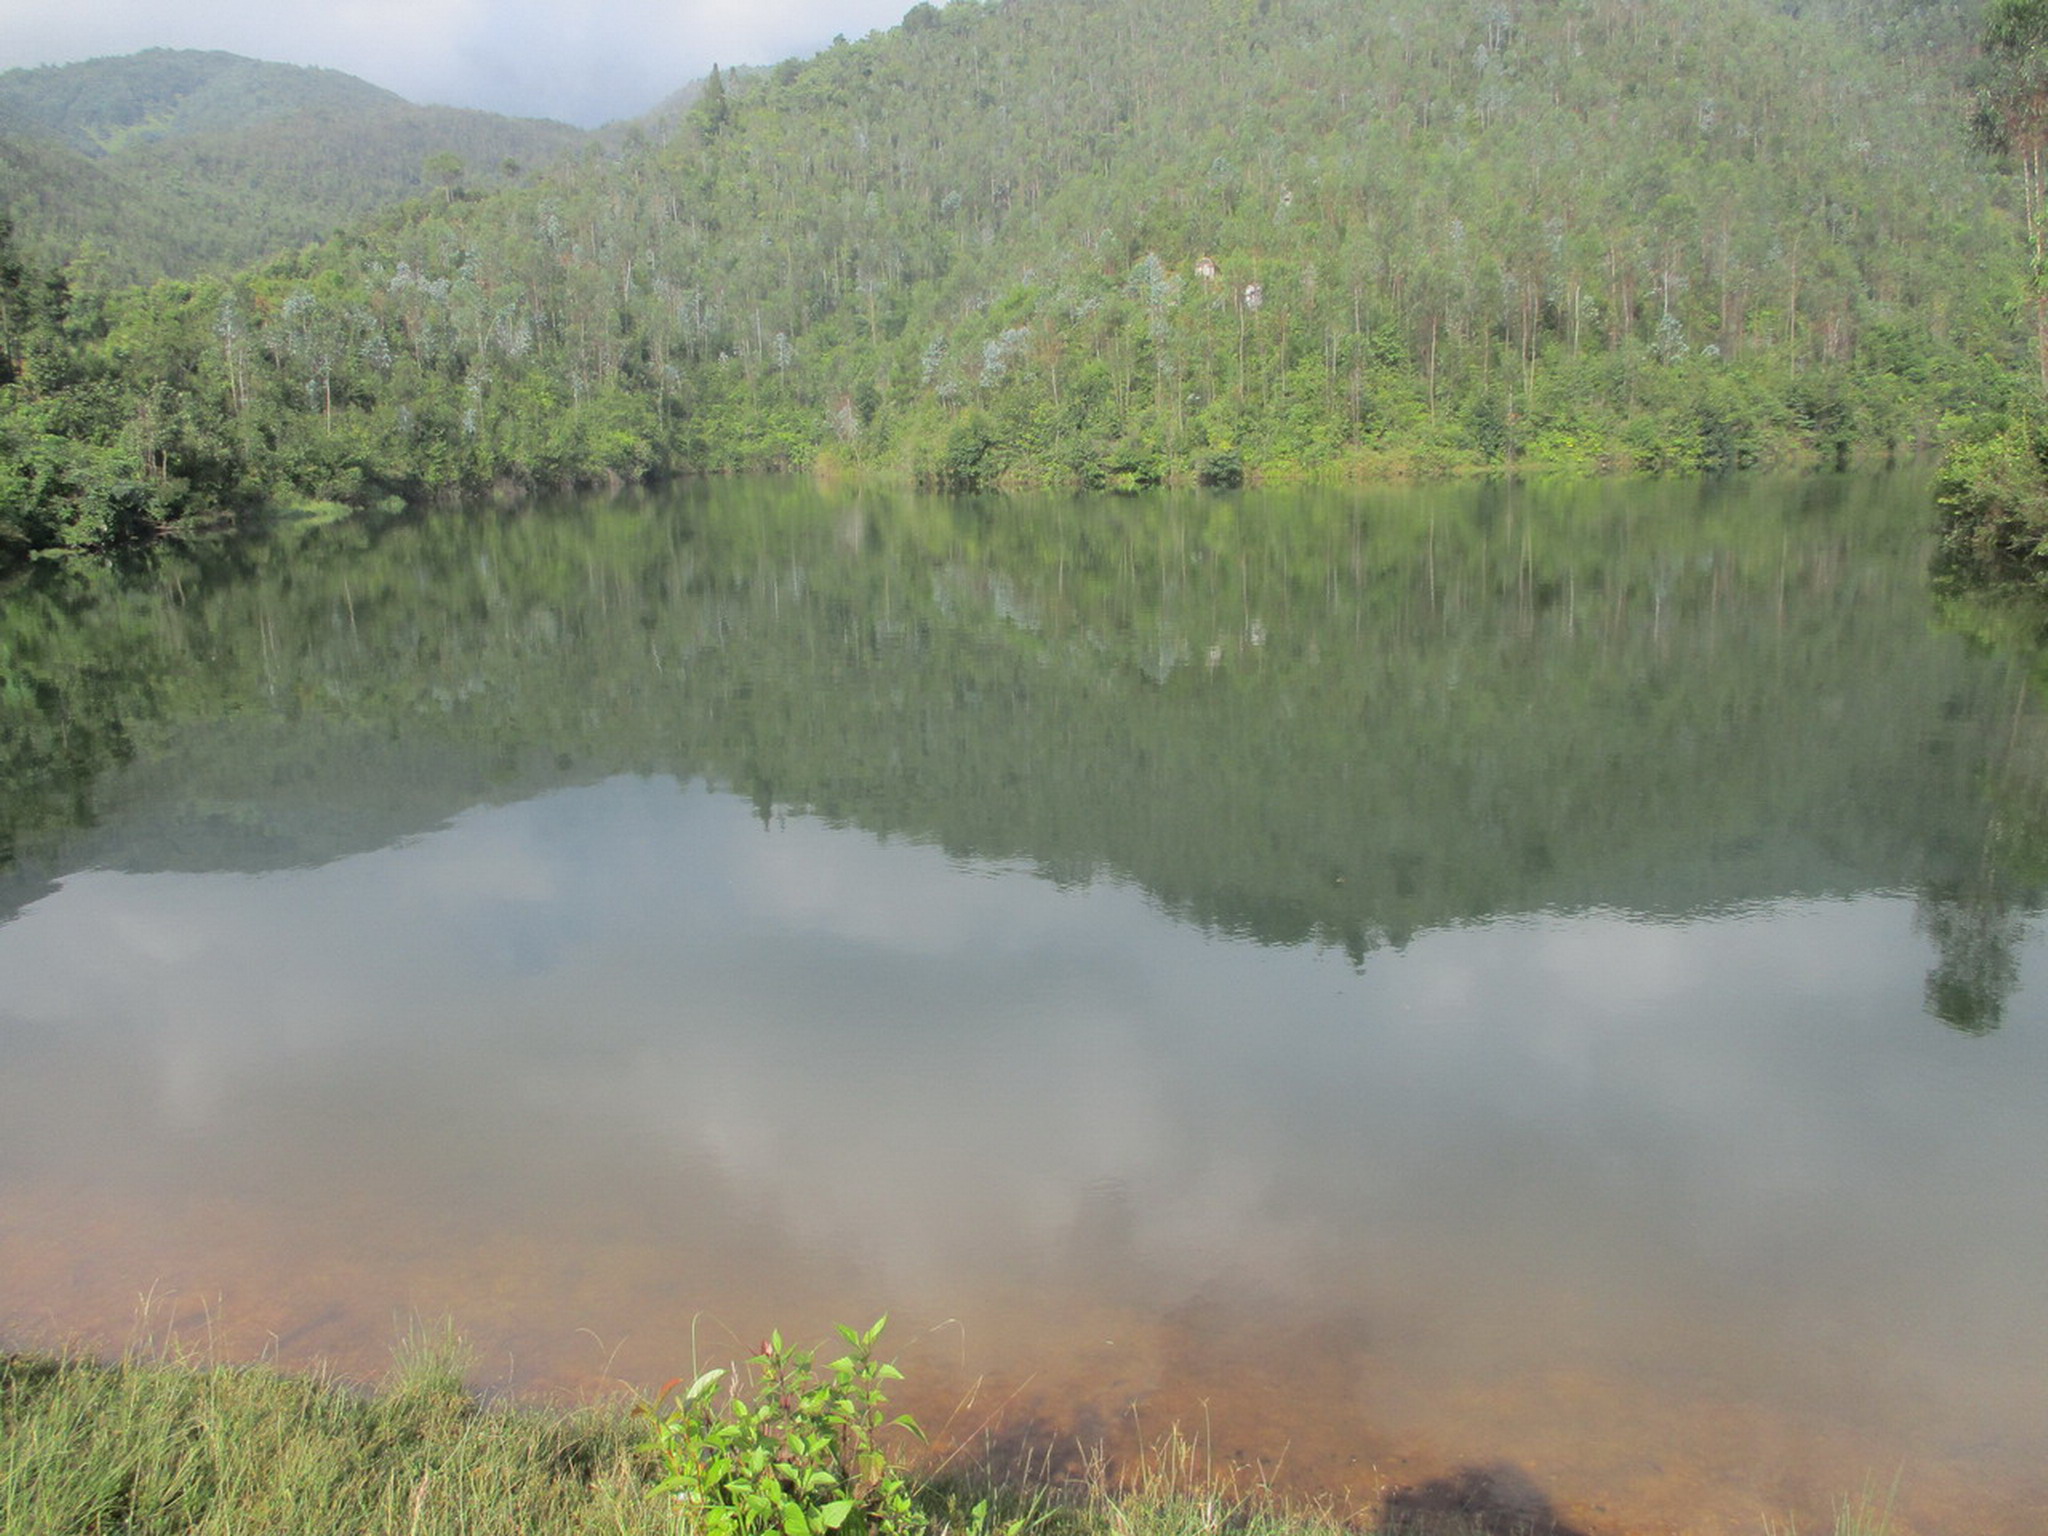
(444, 169)
(713, 110)
(2012, 121)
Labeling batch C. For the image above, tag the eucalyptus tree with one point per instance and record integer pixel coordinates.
(2012, 121)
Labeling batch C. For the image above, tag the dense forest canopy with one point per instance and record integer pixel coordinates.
(172, 162)
(1994, 487)
(102, 106)
(1113, 243)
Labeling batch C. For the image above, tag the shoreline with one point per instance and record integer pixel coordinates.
(167, 1439)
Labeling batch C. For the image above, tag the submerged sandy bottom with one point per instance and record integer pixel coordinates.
(1653, 1226)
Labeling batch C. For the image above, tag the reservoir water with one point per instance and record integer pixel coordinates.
(1536, 991)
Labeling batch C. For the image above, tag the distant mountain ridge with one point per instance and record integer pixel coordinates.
(172, 162)
(1112, 243)
(108, 105)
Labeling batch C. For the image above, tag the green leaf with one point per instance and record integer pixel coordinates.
(703, 1384)
(833, 1515)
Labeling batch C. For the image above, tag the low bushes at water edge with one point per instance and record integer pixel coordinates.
(161, 1442)
(1993, 495)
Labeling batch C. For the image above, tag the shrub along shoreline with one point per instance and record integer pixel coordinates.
(1993, 496)
(164, 1441)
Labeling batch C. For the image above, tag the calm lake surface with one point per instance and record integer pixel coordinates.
(1534, 985)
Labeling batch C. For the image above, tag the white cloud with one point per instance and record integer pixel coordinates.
(587, 61)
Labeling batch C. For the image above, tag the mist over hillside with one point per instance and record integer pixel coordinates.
(172, 162)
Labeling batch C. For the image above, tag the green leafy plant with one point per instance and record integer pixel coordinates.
(786, 1450)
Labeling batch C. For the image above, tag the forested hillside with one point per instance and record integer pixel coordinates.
(174, 162)
(104, 105)
(1113, 242)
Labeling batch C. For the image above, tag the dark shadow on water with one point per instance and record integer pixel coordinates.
(1496, 1500)
(1032, 1452)
(1036, 1454)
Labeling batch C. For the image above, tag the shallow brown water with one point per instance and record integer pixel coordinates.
(1533, 1001)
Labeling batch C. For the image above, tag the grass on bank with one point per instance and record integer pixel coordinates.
(162, 1442)
(156, 1444)
(1868, 1514)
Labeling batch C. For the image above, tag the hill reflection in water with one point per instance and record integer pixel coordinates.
(1462, 1006)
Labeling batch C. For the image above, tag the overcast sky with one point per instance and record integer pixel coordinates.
(584, 61)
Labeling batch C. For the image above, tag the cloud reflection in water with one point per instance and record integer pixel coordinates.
(634, 1053)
